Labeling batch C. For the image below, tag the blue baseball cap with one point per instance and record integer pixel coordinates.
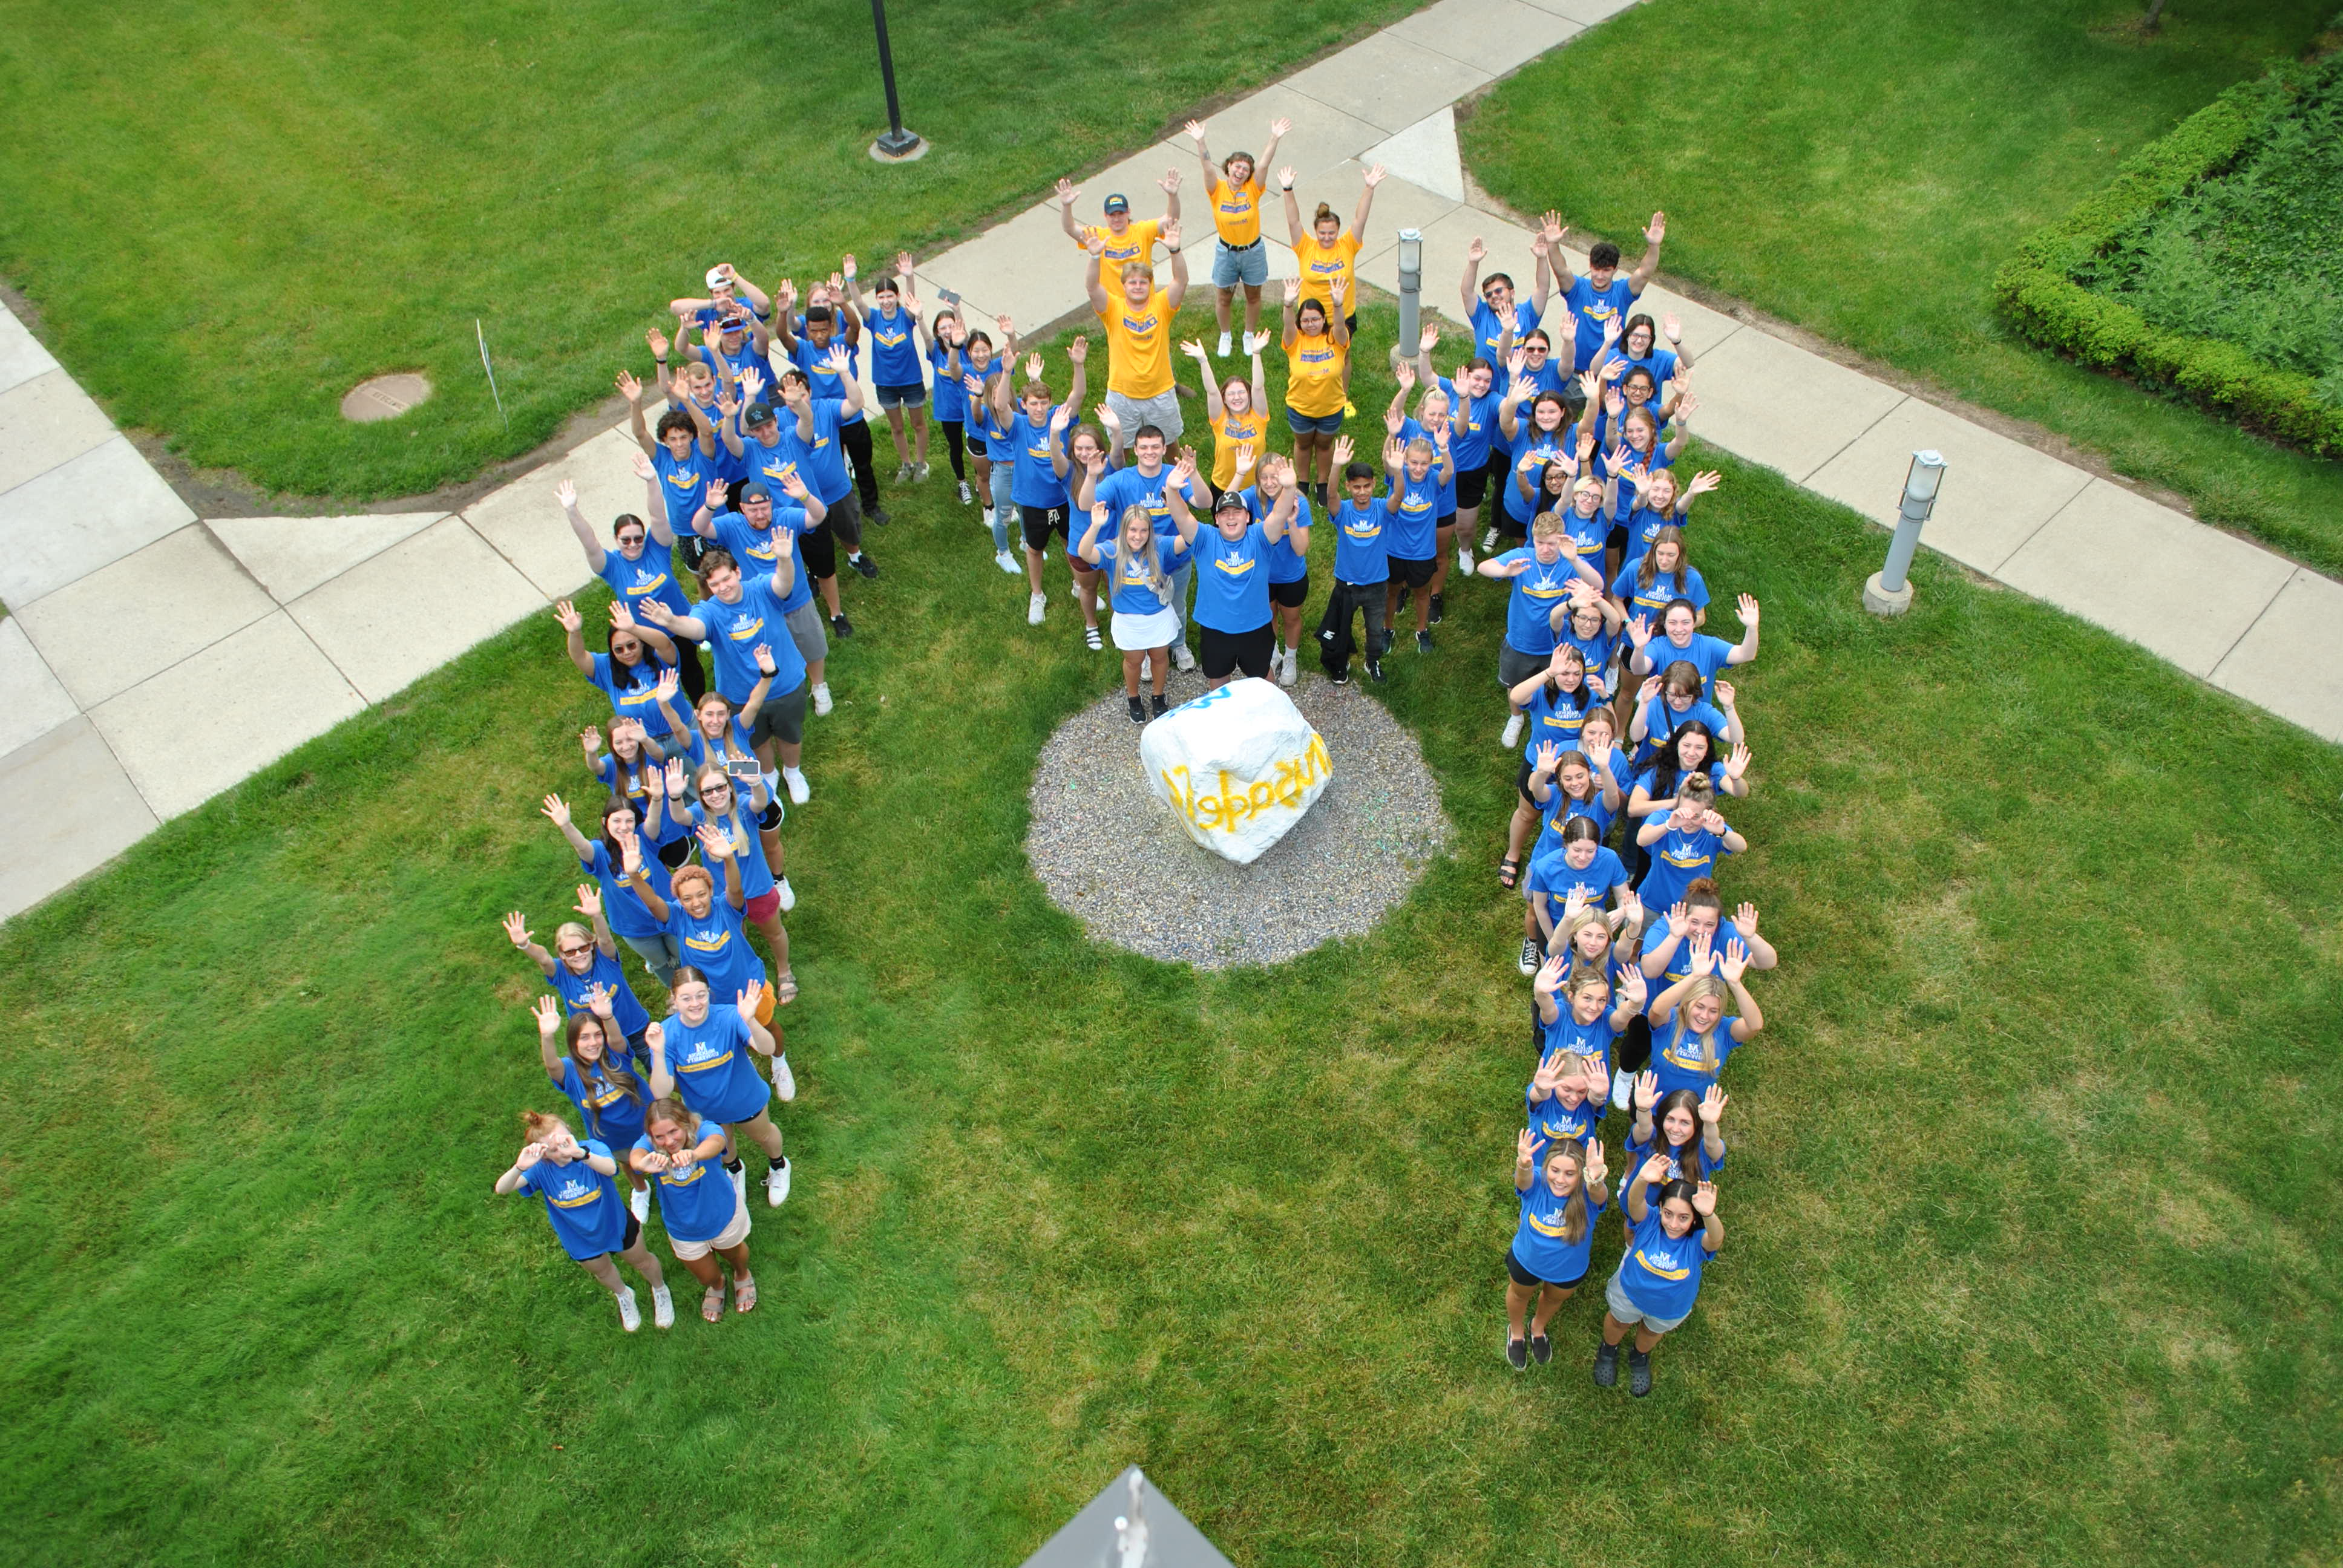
(1118, 203)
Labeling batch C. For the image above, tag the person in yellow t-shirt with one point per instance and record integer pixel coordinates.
(1317, 357)
(1235, 189)
(1240, 414)
(1127, 238)
(1138, 322)
(1326, 251)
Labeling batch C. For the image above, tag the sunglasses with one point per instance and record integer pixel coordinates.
(575, 952)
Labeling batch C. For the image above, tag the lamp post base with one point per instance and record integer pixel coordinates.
(890, 148)
(1880, 602)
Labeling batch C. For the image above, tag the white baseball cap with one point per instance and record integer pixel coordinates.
(717, 278)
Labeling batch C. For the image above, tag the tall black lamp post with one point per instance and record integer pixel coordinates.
(898, 145)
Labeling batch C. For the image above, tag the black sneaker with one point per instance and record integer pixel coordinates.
(1342, 679)
(1405, 591)
(1159, 705)
(1533, 955)
(1424, 642)
(1437, 607)
(841, 626)
(863, 564)
(1517, 1355)
(877, 515)
(1606, 1366)
(1541, 1349)
(1138, 710)
(1639, 1373)
(1375, 669)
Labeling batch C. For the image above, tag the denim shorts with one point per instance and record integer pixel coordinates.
(1249, 266)
(1307, 424)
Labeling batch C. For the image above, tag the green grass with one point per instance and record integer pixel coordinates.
(229, 214)
(1861, 167)
(2033, 1254)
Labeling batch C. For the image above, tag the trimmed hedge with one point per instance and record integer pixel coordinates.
(2039, 292)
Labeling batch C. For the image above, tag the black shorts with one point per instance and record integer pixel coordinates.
(1472, 485)
(1040, 522)
(1411, 574)
(976, 447)
(634, 1231)
(1617, 541)
(819, 546)
(1223, 651)
(1523, 1277)
(1522, 786)
(1290, 595)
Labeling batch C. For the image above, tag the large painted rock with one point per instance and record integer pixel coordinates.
(1239, 768)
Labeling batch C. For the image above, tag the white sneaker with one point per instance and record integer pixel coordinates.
(788, 894)
(1007, 563)
(1488, 540)
(1256, 341)
(638, 1204)
(1512, 732)
(777, 1185)
(1464, 558)
(1226, 348)
(630, 1316)
(1623, 1088)
(1287, 670)
(821, 703)
(662, 1307)
(800, 790)
(741, 1183)
(1034, 608)
(784, 1082)
(1182, 659)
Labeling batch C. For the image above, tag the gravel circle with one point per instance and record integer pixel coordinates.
(1354, 854)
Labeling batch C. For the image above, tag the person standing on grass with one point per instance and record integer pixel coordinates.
(1667, 701)
(992, 437)
(1233, 560)
(1633, 350)
(1432, 421)
(1651, 1293)
(1289, 557)
(1317, 367)
(1692, 1031)
(1038, 424)
(709, 929)
(1554, 1242)
(736, 619)
(1235, 189)
(1580, 867)
(629, 919)
(683, 454)
(894, 330)
(1085, 463)
(1240, 411)
(599, 1078)
(1138, 318)
(1139, 561)
(832, 321)
(1599, 296)
(1540, 576)
(1666, 958)
(1564, 1100)
(1149, 483)
(1679, 1127)
(1472, 403)
(581, 1202)
(628, 676)
(1128, 239)
(643, 565)
(1498, 318)
(1682, 641)
(811, 440)
(1361, 525)
(1644, 588)
(945, 337)
(583, 964)
(705, 1051)
(1691, 749)
(703, 1213)
(1685, 843)
(1581, 1013)
(1421, 469)
(759, 534)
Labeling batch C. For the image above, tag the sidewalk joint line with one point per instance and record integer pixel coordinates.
(2034, 533)
(2284, 583)
(1901, 398)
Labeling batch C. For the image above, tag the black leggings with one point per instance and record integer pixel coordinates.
(956, 443)
(856, 439)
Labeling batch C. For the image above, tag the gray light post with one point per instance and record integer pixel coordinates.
(1889, 592)
(1411, 294)
(898, 145)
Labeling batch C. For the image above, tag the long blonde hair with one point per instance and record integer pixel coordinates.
(1701, 986)
(1157, 583)
(1574, 1210)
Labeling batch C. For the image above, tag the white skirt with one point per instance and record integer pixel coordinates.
(1142, 633)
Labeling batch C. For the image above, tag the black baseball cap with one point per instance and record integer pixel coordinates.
(757, 414)
(1118, 203)
(1231, 501)
(754, 491)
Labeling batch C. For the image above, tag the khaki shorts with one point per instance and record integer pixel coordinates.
(734, 1234)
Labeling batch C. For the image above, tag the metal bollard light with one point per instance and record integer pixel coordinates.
(1889, 591)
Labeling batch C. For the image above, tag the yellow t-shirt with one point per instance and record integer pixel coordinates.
(1313, 376)
(1231, 431)
(1321, 264)
(1136, 242)
(1138, 342)
(1236, 209)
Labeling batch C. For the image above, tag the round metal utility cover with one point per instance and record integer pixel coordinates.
(384, 397)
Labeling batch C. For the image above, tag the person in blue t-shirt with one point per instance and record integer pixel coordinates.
(1541, 573)
(683, 455)
(1084, 461)
(703, 1211)
(1555, 700)
(1420, 470)
(1661, 576)
(1599, 296)
(600, 1076)
(1435, 421)
(895, 368)
(1148, 481)
(584, 963)
(629, 675)
(581, 1201)
(1289, 557)
(813, 438)
(736, 620)
(758, 535)
(1490, 306)
(1554, 1241)
(1039, 426)
(706, 1052)
(1692, 1032)
(1139, 562)
(1658, 1278)
(643, 565)
(711, 932)
(1681, 640)
(1635, 350)
(1361, 525)
(1565, 1100)
(1581, 1011)
(1231, 566)
(1667, 701)
(824, 345)
(1679, 1127)
(991, 440)
(1684, 844)
(1580, 867)
(945, 337)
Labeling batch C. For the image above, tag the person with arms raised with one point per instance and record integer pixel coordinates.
(1235, 189)
(581, 1202)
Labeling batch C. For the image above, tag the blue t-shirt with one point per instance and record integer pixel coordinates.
(1706, 653)
(1132, 596)
(1565, 1033)
(574, 990)
(1644, 525)
(717, 945)
(734, 631)
(1528, 626)
(684, 484)
(632, 689)
(1488, 326)
(588, 1217)
(950, 398)
(1678, 857)
(825, 383)
(713, 1066)
(1552, 878)
(1594, 307)
(1286, 564)
(1411, 430)
(1360, 547)
(1595, 650)
(1547, 447)
(1648, 601)
(1641, 1149)
(1660, 1275)
(1551, 1122)
(1538, 1245)
(697, 1202)
(894, 348)
(622, 907)
(612, 1114)
(1000, 440)
(650, 576)
(1232, 579)
(1557, 718)
(1472, 425)
(1539, 380)
(820, 461)
(1589, 534)
(1661, 722)
(1661, 362)
(741, 826)
(1035, 482)
(1130, 487)
(1409, 532)
(758, 551)
(1676, 1053)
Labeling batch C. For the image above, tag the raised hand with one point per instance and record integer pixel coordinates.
(597, 1000)
(1712, 823)
(530, 1155)
(1549, 757)
(1286, 176)
(1033, 368)
(565, 493)
(643, 469)
(1744, 919)
(1703, 956)
(589, 901)
(630, 389)
(1655, 1169)
(566, 614)
(1525, 1147)
(1195, 129)
(1631, 988)
(1170, 237)
(1278, 127)
(1170, 181)
(1343, 450)
(1067, 192)
(1595, 1170)
(718, 489)
(1724, 695)
(1405, 374)
(1477, 250)
(1733, 964)
(675, 777)
(1648, 690)
(1747, 605)
(1244, 459)
(1657, 229)
(1639, 631)
(1195, 348)
(1374, 175)
(1672, 329)
(1429, 336)
(1550, 973)
(752, 384)
(590, 739)
(517, 928)
(1737, 763)
(1394, 455)
(747, 998)
(764, 654)
(1704, 1201)
(630, 854)
(1647, 1090)
(555, 810)
(1550, 227)
(839, 362)
(1713, 1104)
(548, 1016)
(715, 842)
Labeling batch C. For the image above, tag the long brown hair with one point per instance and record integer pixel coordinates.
(608, 1070)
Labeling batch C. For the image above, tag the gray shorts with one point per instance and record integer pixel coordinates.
(782, 718)
(1248, 265)
(806, 630)
(1162, 411)
(1514, 665)
(1614, 1296)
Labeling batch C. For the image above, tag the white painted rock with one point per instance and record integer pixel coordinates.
(1238, 766)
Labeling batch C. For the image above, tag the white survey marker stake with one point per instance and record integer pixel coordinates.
(1239, 766)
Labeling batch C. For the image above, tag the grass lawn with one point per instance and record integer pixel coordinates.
(229, 214)
(2032, 1246)
(1861, 167)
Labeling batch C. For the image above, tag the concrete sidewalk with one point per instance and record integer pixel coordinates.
(154, 659)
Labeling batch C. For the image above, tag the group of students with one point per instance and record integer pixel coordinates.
(1554, 439)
